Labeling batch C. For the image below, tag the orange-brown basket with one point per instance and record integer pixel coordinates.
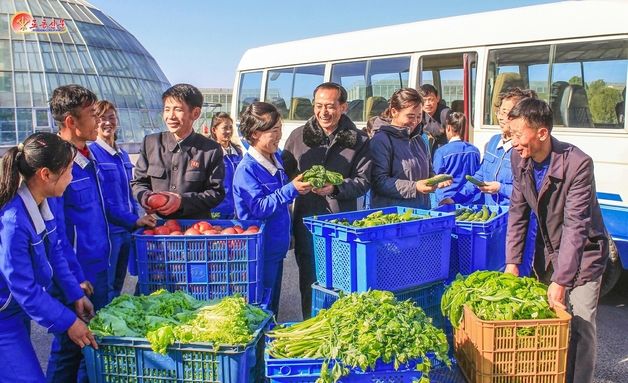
(521, 351)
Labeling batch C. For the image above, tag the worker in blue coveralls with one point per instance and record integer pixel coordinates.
(456, 158)
(115, 171)
(263, 191)
(496, 172)
(86, 225)
(221, 131)
(31, 260)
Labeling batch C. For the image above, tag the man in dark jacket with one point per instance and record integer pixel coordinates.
(330, 139)
(434, 116)
(555, 180)
(185, 166)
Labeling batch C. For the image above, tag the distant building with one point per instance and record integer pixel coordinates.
(214, 100)
(93, 50)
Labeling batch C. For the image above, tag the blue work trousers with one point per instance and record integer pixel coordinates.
(19, 360)
(273, 274)
(118, 261)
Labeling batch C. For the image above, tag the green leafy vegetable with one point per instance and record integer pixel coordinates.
(357, 330)
(379, 218)
(318, 176)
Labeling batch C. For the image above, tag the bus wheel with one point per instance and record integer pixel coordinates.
(613, 269)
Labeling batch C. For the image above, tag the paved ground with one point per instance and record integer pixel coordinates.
(612, 366)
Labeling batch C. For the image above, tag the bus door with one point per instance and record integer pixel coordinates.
(454, 76)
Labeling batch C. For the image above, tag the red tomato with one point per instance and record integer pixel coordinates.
(172, 223)
(238, 229)
(156, 200)
(202, 226)
(162, 230)
(252, 229)
(176, 232)
(210, 232)
(149, 232)
(229, 230)
(192, 231)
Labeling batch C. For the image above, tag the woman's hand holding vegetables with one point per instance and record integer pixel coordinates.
(513, 269)
(302, 187)
(84, 309)
(491, 187)
(80, 334)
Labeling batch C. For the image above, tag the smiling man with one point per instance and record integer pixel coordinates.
(330, 139)
(181, 164)
(555, 180)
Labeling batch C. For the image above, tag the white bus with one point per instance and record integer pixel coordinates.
(574, 54)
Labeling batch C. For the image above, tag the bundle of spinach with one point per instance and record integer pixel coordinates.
(357, 330)
(379, 218)
(318, 176)
(493, 295)
(164, 318)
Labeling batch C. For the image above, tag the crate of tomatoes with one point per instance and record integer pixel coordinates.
(208, 259)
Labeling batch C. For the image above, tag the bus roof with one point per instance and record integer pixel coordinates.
(567, 19)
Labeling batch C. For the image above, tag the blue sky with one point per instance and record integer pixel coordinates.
(200, 42)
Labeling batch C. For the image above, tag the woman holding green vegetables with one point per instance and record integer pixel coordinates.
(401, 163)
(262, 190)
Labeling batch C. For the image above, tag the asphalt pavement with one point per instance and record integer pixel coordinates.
(612, 325)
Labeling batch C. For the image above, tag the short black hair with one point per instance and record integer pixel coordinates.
(342, 92)
(536, 113)
(259, 116)
(457, 121)
(189, 94)
(427, 89)
(68, 100)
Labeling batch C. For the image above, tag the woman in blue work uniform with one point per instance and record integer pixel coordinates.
(262, 190)
(115, 171)
(32, 263)
(221, 131)
(496, 172)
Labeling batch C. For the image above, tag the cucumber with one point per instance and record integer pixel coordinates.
(475, 181)
(438, 179)
(485, 213)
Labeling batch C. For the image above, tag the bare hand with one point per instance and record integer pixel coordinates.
(556, 296)
(444, 184)
(326, 190)
(302, 187)
(446, 201)
(147, 220)
(87, 287)
(422, 187)
(513, 269)
(173, 204)
(84, 309)
(491, 187)
(80, 334)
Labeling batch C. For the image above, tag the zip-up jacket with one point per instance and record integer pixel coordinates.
(458, 159)
(231, 161)
(262, 190)
(115, 171)
(32, 263)
(495, 166)
(86, 225)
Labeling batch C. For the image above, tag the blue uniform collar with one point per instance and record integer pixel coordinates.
(103, 144)
(257, 156)
(505, 145)
(81, 160)
(38, 214)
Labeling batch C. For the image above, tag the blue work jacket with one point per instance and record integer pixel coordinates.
(86, 224)
(262, 191)
(231, 160)
(495, 166)
(458, 159)
(32, 263)
(115, 171)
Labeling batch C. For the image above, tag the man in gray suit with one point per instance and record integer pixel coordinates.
(555, 180)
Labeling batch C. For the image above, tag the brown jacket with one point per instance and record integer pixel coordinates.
(570, 220)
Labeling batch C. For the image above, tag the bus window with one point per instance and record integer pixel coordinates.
(250, 89)
(352, 76)
(290, 90)
(384, 78)
(446, 73)
(587, 83)
(523, 67)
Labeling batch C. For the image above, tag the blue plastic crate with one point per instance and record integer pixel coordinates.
(205, 266)
(123, 359)
(308, 370)
(387, 257)
(478, 245)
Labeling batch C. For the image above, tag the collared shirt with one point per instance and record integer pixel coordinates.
(111, 150)
(455, 138)
(38, 214)
(272, 167)
(540, 170)
(505, 144)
